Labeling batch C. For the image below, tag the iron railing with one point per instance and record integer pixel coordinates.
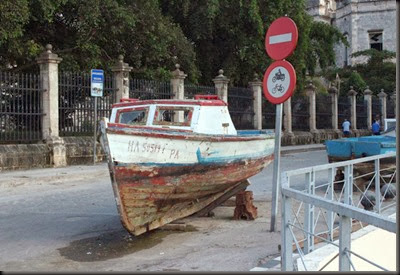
(344, 110)
(20, 108)
(376, 109)
(240, 105)
(150, 89)
(300, 113)
(324, 111)
(323, 203)
(390, 108)
(76, 105)
(191, 90)
(361, 113)
(268, 114)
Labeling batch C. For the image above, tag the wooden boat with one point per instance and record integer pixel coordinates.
(169, 159)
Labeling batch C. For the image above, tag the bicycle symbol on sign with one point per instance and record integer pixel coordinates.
(278, 88)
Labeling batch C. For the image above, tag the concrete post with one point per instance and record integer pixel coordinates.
(393, 99)
(368, 99)
(121, 72)
(178, 89)
(221, 85)
(353, 108)
(383, 97)
(334, 98)
(256, 87)
(48, 63)
(287, 118)
(310, 91)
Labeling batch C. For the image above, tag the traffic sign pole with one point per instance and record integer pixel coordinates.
(95, 130)
(278, 85)
(277, 162)
(96, 89)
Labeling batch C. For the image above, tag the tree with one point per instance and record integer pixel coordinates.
(379, 72)
(230, 35)
(90, 34)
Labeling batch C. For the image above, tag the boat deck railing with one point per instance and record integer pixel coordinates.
(330, 207)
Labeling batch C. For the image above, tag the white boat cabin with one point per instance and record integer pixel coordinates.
(206, 114)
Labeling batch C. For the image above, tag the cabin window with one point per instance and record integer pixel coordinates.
(133, 116)
(173, 116)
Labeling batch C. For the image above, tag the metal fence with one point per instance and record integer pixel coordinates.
(323, 111)
(240, 105)
(20, 108)
(150, 89)
(344, 110)
(361, 111)
(76, 105)
(191, 90)
(376, 109)
(268, 114)
(390, 108)
(326, 203)
(300, 113)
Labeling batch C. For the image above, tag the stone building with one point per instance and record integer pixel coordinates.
(366, 24)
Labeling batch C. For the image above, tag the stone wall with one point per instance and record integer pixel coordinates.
(79, 151)
(318, 137)
(24, 156)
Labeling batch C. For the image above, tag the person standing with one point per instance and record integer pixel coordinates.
(376, 128)
(346, 127)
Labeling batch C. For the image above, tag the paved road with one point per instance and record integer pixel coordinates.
(65, 219)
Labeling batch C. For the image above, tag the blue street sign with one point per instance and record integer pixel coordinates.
(96, 82)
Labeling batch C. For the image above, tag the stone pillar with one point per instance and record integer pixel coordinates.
(121, 72)
(383, 97)
(353, 108)
(178, 89)
(393, 99)
(287, 117)
(368, 99)
(310, 91)
(48, 63)
(221, 85)
(334, 98)
(256, 87)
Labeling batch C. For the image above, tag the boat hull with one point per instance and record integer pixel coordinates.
(161, 177)
(150, 198)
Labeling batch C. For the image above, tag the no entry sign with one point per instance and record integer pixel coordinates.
(279, 81)
(281, 38)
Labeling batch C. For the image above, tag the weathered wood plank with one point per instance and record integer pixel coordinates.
(240, 187)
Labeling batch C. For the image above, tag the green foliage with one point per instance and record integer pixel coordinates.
(323, 38)
(91, 34)
(153, 35)
(378, 72)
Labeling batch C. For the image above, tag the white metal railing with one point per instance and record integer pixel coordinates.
(328, 207)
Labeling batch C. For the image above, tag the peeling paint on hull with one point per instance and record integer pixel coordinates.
(161, 176)
(148, 202)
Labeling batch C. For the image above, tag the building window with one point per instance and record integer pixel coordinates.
(375, 40)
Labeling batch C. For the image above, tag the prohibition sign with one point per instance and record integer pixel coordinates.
(281, 38)
(279, 82)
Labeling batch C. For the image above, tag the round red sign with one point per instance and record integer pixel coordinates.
(281, 38)
(279, 82)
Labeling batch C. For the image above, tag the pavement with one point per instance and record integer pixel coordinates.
(63, 201)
